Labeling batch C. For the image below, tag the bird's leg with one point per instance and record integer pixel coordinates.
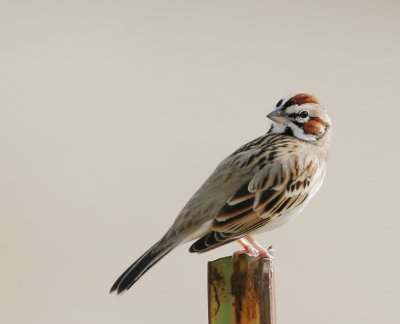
(261, 252)
(248, 248)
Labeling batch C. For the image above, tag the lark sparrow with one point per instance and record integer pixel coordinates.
(262, 185)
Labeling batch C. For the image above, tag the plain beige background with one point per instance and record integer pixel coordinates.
(112, 113)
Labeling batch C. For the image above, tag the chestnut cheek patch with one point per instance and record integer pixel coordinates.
(314, 127)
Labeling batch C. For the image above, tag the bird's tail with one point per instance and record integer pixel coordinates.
(141, 265)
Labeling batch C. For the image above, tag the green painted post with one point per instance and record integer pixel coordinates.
(241, 291)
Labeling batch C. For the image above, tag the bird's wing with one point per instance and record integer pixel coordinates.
(274, 190)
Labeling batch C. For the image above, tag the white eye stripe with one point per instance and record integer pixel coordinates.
(303, 120)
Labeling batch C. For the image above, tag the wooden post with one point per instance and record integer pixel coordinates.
(241, 291)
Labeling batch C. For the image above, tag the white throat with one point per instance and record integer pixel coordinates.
(278, 128)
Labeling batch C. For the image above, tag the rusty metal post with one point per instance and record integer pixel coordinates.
(241, 291)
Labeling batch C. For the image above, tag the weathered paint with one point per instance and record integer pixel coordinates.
(240, 290)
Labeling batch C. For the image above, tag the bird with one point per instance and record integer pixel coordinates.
(260, 186)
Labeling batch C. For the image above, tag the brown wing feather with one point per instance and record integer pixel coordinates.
(274, 190)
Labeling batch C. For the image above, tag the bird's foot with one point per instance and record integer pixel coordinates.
(248, 249)
(261, 251)
(245, 252)
(266, 254)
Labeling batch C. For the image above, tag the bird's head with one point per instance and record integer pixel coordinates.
(300, 115)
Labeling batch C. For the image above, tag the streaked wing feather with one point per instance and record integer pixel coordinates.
(272, 191)
(241, 195)
(281, 182)
(231, 211)
(215, 239)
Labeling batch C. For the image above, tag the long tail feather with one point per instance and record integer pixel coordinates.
(140, 266)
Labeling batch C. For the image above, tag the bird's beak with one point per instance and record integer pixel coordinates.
(279, 116)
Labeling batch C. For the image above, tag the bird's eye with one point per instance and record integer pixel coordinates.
(304, 114)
